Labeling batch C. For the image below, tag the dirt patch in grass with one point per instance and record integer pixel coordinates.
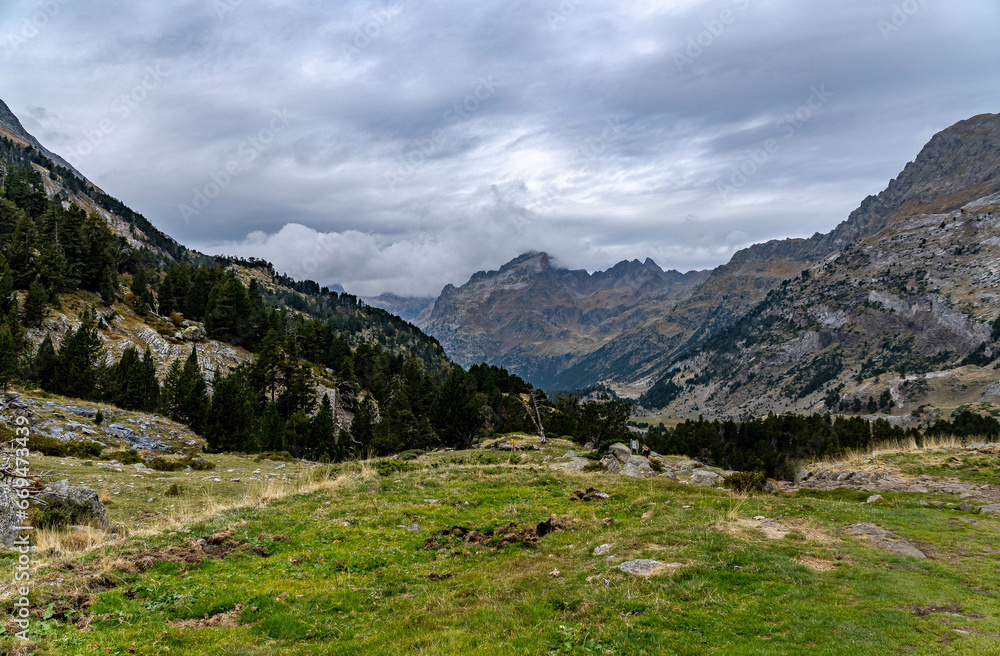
(774, 530)
(953, 609)
(229, 618)
(515, 533)
(216, 546)
(816, 564)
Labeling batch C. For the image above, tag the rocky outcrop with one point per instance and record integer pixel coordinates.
(619, 460)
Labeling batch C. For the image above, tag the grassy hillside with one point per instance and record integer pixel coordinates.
(365, 558)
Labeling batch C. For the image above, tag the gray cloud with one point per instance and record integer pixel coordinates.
(427, 140)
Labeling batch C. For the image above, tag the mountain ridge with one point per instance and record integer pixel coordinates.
(957, 166)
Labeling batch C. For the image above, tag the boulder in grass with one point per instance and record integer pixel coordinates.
(64, 505)
(620, 451)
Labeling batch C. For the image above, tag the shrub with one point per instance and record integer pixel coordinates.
(753, 481)
(173, 491)
(129, 457)
(159, 463)
(50, 446)
(283, 456)
(412, 454)
(390, 467)
(99, 418)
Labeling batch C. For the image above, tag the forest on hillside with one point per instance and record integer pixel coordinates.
(394, 388)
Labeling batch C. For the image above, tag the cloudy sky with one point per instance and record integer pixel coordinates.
(402, 145)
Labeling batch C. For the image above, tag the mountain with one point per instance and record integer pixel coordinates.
(639, 340)
(407, 308)
(536, 318)
(44, 234)
(904, 315)
(10, 127)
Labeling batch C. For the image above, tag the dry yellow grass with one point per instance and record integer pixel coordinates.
(909, 445)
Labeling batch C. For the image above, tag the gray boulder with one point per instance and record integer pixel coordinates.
(621, 452)
(571, 465)
(81, 504)
(993, 509)
(705, 478)
(611, 464)
(637, 467)
(602, 549)
(194, 333)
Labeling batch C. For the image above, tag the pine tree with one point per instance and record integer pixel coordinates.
(271, 429)
(43, 365)
(267, 366)
(321, 441)
(362, 431)
(107, 286)
(35, 303)
(9, 360)
(452, 414)
(78, 361)
(170, 397)
(6, 286)
(229, 419)
(132, 383)
(192, 394)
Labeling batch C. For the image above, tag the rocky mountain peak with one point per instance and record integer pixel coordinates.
(957, 166)
(532, 262)
(10, 127)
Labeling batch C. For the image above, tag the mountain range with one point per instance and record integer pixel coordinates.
(892, 310)
(635, 325)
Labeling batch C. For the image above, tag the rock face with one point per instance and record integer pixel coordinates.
(537, 319)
